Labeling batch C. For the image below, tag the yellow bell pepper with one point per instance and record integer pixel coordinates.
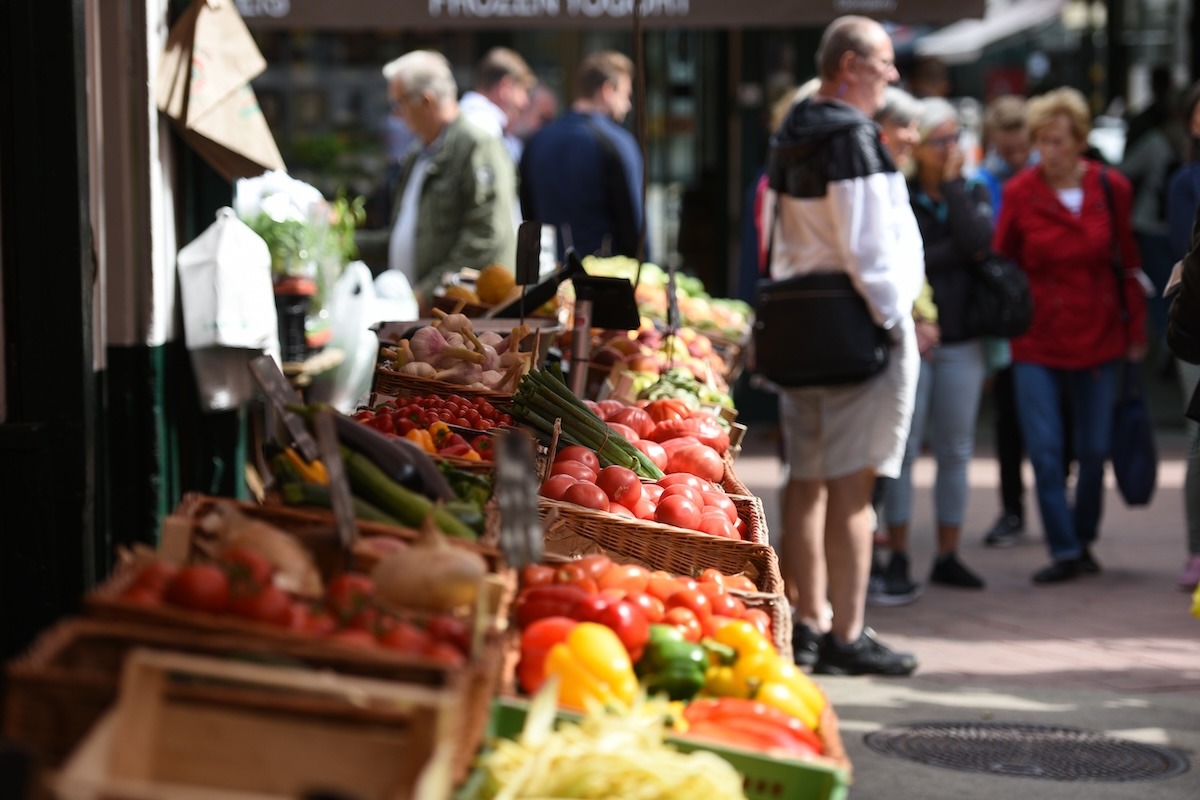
(720, 682)
(422, 439)
(593, 666)
(310, 471)
(762, 674)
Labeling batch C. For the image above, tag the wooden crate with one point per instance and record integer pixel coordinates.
(185, 723)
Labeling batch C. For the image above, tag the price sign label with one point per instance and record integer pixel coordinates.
(339, 487)
(281, 394)
(516, 494)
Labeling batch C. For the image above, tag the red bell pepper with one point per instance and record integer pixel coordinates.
(754, 718)
(536, 641)
(623, 617)
(539, 602)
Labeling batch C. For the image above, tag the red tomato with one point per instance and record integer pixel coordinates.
(554, 486)
(629, 434)
(268, 604)
(621, 511)
(635, 418)
(678, 443)
(445, 628)
(621, 484)
(349, 597)
(320, 623)
(662, 585)
(652, 491)
(720, 500)
(200, 587)
(716, 524)
(404, 637)
(644, 508)
(595, 565)
(588, 495)
(685, 478)
(354, 638)
(684, 619)
(743, 530)
(629, 577)
(651, 606)
(579, 453)
(692, 599)
(698, 459)
(154, 577)
(246, 566)
(576, 469)
(142, 596)
(654, 451)
(759, 619)
(606, 408)
(711, 575)
(575, 575)
(690, 492)
(678, 511)
(740, 583)
(725, 605)
(536, 575)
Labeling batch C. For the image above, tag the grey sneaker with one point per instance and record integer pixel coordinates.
(1005, 533)
(896, 589)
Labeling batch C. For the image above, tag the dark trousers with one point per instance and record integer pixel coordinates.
(1010, 446)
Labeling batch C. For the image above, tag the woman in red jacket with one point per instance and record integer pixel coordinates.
(1055, 221)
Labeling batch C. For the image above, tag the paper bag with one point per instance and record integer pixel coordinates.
(203, 85)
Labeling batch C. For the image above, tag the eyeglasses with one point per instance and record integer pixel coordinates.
(942, 142)
(405, 99)
(885, 64)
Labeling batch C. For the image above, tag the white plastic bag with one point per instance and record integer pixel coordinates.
(228, 309)
(353, 309)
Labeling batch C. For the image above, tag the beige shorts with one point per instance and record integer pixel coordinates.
(838, 431)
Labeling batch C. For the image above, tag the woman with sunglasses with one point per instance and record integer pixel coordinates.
(955, 218)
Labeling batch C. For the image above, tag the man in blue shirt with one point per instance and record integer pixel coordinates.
(582, 173)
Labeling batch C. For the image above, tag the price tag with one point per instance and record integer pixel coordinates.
(339, 487)
(521, 531)
(281, 394)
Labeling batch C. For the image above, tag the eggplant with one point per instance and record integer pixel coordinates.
(401, 460)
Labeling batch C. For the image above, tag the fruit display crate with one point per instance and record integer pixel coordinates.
(766, 778)
(187, 726)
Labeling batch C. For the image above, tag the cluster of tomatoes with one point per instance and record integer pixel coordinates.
(681, 499)
(627, 598)
(241, 583)
(421, 411)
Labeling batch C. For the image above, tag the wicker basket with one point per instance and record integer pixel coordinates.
(574, 530)
(395, 384)
(730, 481)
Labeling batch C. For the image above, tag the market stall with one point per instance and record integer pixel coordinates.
(477, 571)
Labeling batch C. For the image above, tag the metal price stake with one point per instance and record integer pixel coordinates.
(339, 487)
(521, 531)
(281, 395)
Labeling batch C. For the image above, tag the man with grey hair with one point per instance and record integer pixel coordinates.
(840, 205)
(453, 204)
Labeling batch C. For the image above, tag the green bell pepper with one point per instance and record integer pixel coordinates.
(672, 665)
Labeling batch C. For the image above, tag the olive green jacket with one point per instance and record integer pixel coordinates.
(465, 216)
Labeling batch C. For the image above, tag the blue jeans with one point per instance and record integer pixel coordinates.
(946, 407)
(1090, 394)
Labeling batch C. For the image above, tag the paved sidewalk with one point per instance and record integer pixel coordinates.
(1116, 653)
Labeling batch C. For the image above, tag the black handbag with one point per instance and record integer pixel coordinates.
(1001, 305)
(816, 330)
(1133, 452)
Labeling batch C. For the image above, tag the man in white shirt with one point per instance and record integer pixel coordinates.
(503, 82)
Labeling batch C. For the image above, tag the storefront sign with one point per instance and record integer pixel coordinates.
(485, 14)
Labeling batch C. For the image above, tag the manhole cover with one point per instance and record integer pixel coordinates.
(1028, 751)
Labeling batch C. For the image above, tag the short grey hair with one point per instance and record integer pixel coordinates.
(424, 71)
(899, 107)
(935, 112)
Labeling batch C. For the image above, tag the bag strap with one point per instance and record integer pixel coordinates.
(1118, 267)
(771, 231)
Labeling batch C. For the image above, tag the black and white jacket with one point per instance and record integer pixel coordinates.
(844, 207)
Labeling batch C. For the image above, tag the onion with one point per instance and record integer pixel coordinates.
(430, 575)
